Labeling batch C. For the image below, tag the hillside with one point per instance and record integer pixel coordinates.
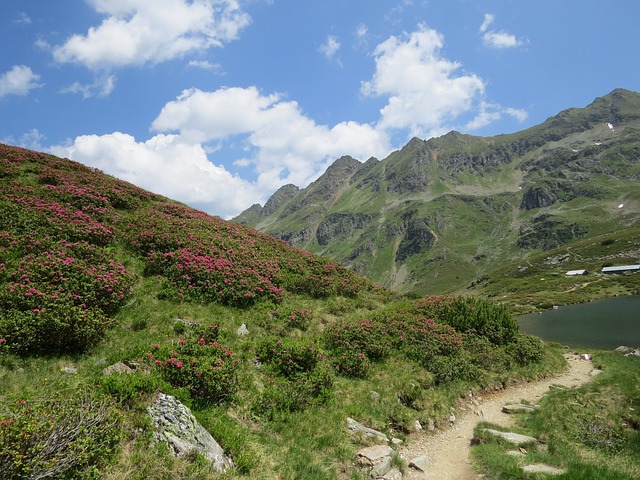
(111, 296)
(446, 214)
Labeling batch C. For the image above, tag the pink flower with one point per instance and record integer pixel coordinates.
(181, 342)
(201, 341)
(155, 345)
(179, 364)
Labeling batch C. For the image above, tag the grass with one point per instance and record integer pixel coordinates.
(592, 431)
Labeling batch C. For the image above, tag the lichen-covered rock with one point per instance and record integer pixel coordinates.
(178, 428)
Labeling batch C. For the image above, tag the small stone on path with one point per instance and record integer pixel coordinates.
(542, 468)
(420, 463)
(515, 438)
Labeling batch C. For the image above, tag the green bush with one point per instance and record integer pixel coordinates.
(289, 357)
(64, 437)
(55, 327)
(293, 394)
(480, 317)
(526, 349)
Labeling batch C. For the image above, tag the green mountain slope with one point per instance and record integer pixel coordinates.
(438, 215)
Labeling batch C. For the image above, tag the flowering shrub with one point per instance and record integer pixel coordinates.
(207, 259)
(206, 369)
(58, 438)
(55, 296)
(294, 317)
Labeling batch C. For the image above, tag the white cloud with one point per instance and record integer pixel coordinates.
(362, 33)
(425, 92)
(166, 165)
(497, 39)
(287, 146)
(138, 32)
(517, 113)
(206, 65)
(101, 87)
(488, 20)
(330, 47)
(22, 19)
(20, 80)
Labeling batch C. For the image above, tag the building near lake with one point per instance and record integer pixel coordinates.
(571, 273)
(621, 269)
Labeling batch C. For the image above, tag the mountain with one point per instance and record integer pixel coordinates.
(440, 215)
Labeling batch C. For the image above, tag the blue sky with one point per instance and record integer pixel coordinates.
(217, 103)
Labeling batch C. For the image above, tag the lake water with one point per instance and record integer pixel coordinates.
(604, 324)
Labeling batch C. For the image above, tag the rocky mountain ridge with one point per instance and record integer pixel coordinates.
(438, 214)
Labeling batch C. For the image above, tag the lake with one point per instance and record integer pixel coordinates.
(604, 324)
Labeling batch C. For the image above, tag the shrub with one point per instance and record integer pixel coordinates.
(293, 394)
(294, 317)
(289, 357)
(128, 388)
(351, 364)
(206, 369)
(526, 349)
(62, 437)
(481, 317)
(484, 354)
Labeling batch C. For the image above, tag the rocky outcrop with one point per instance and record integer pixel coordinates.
(417, 238)
(546, 232)
(282, 196)
(177, 428)
(337, 226)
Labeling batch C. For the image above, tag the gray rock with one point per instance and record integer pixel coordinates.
(452, 419)
(623, 349)
(369, 432)
(518, 408)
(515, 438)
(119, 367)
(381, 468)
(635, 353)
(393, 474)
(515, 453)
(595, 372)
(374, 454)
(542, 468)
(177, 427)
(242, 330)
(431, 426)
(70, 370)
(420, 463)
(417, 426)
(375, 396)
(187, 322)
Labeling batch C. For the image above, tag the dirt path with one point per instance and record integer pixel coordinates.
(449, 450)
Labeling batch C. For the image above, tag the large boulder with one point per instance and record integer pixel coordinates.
(177, 427)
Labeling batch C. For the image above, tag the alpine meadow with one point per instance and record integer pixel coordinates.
(369, 309)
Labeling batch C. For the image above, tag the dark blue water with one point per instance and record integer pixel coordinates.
(604, 324)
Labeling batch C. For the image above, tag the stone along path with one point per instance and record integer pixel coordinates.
(448, 451)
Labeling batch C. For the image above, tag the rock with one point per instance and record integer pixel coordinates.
(635, 353)
(542, 468)
(431, 426)
(187, 322)
(382, 467)
(623, 349)
(242, 330)
(375, 396)
(396, 441)
(119, 367)
(420, 463)
(178, 428)
(393, 474)
(452, 419)
(515, 453)
(515, 438)
(369, 432)
(70, 370)
(417, 426)
(518, 408)
(375, 454)
(595, 372)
